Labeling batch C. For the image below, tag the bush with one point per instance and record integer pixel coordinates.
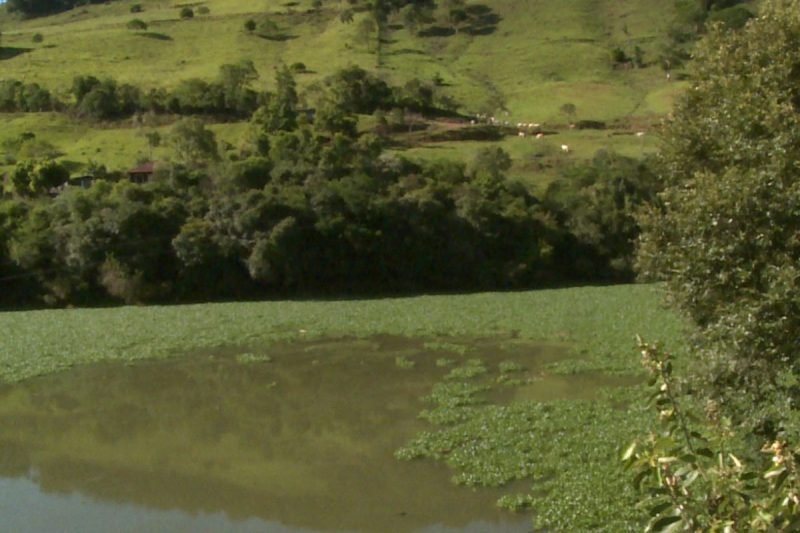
(733, 18)
(268, 29)
(137, 8)
(203, 10)
(16, 96)
(725, 233)
(37, 38)
(618, 56)
(137, 24)
(298, 67)
(186, 13)
(596, 201)
(250, 25)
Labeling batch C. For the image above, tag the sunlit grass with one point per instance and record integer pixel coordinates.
(540, 55)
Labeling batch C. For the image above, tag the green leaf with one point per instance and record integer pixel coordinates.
(629, 451)
(660, 508)
(662, 523)
(705, 452)
(774, 472)
(637, 481)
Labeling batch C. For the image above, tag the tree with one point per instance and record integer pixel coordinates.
(136, 24)
(235, 80)
(187, 13)
(726, 232)
(193, 143)
(453, 12)
(32, 177)
(346, 16)
(280, 112)
(153, 141)
(366, 33)
(568, 109)
(596, 201)
(268, 29)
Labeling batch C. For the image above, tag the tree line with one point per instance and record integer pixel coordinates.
(307, 207)
(230, 96)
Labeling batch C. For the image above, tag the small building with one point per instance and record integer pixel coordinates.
(142, 173)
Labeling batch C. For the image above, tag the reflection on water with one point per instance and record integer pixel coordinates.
(303, 442)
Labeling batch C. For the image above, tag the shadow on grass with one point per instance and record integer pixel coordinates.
(437, 31)
(478, 19)
(10, 52)
(407, 51)
(280, 37)
(72, 166)
(482, 20)
(155, 35)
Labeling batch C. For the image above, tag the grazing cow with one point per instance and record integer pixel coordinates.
(540, 135)
(640, 134)
(521, 134)
(565, 148)
(472, 122)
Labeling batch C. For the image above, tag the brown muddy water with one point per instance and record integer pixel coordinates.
(290, 438)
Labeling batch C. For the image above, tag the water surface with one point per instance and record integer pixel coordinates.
(227, 440)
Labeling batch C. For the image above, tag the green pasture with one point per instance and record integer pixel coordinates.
(539, 55)
(120, 145)
(536, 162)
(117, 145)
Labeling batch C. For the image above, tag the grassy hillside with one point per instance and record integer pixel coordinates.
(526, 61)
(539, 55)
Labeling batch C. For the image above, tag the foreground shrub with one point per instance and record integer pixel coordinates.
(724, 234)
(692, 476)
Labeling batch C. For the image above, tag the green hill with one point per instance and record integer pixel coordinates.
(520, 61)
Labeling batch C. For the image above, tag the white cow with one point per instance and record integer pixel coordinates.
(565, 148)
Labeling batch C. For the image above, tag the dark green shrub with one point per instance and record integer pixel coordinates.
(618, 56)
(137, 8)
(250, 25)
(136, 24)
(186, 13)
(37, 38)
(733, 18)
